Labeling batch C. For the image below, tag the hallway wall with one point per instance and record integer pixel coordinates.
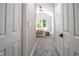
(31, 18)
(29, 28)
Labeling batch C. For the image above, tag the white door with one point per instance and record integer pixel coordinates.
(71, 29)
(70, 32)
(58, 28)
(10, 29)
(68, 29)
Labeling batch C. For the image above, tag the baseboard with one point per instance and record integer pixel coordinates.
(31, 54)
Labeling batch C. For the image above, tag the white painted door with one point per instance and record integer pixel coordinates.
(70, 21)
(10, 29)
(71, 29)
(68, 30)
(58, 28)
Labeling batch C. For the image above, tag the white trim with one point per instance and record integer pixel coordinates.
(31, 54)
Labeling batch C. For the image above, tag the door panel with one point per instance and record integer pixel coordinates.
(76, 54)
(2, 19)
(71, 51)
(65, 17)
(66, 49)
(76, 6)
(16, 17)
(8, 37)
(71, 18)
(15, 49)
(9, 18)
(2, 53)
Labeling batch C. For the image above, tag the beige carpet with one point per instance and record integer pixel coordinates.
(45, 46)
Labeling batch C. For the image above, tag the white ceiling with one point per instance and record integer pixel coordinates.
(48, 7)
(46, 4)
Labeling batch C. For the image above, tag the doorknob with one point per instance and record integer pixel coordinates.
(61, 35)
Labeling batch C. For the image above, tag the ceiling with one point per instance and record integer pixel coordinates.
(47, 4)
(45, 7)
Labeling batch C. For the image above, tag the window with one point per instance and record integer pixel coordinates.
(40, 23)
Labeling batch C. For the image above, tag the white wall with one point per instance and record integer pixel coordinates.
(31, 18)
(29, 28)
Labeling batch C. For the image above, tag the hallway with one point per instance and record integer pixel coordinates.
(41, 29)
(45, 46)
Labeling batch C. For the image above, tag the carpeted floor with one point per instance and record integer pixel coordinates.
(45, 46)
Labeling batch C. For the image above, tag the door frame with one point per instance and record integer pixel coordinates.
(24, 30)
